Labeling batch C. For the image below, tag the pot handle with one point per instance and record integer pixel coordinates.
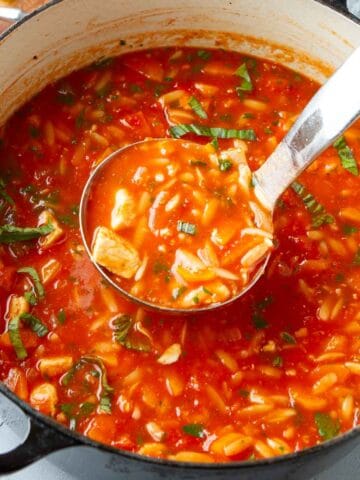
(11, 15)
(40, 438)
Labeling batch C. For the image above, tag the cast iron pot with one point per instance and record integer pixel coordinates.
(311, 36)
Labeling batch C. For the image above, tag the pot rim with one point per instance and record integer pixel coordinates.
(82, 440)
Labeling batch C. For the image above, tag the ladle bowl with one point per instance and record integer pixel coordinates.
(333, 108)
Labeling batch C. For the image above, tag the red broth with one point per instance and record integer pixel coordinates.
(276, 372)
(178, 223)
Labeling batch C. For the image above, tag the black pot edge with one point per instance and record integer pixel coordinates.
(81, 440)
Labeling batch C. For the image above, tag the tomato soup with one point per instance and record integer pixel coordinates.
(177, 223)
(273, 373)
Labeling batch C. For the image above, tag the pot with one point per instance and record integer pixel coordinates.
(64, 35)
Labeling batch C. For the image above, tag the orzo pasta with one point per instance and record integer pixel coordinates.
(275, 372)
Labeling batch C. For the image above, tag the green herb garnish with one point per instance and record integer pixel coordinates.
(186, 227)
(105, 389)
(194, 429)
(246, 84)
(4, 194)
(327, 427)
(125, 335)
(197, 108)
(198, 163)
(224, 164)
(179, 131)
(203, 54)
(316, 210)
(349, 229)
(278, 361)
(11, 233)
(177, 292)
(259, 321)
(346, 156)
(288, 338)
(61, 316)
(14, 332)
(36, 279)
(356, 260)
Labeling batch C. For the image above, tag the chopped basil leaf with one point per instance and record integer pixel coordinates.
(317, 211)
(197, 108)
(124, 334)
(134, 88)
(196, 299)
(203, 54)
(349, 229)
(4, 194)
(61, 316)
(327, 427)
(106, 389)
(67, 409)
(266, 301)
(35, 324)
(194, 429)
(35, 277)
(105, 404)
(11, 233)
(179, 131)
(214, 142)
(346, 156)
(14, 332)
(160, 267)
(33, 131)
(243, 393)
(356, 260)
(198, 163)
(259, 321)
(246, 84)
(224, 164)
(186, 227)
(288, 338)
(205, 290)
(15, 338)
(177, 292)
(86, 408)
(339, 277)
(30, 297)
(278, 361)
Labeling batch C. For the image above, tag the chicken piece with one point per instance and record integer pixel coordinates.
(47, 241)
(115, 253)
(124, 211)
(44, 398)
(17, 306)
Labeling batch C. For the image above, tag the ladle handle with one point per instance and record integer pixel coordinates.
(334, 107)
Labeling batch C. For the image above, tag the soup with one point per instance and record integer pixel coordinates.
(180, 225)
(275, 372)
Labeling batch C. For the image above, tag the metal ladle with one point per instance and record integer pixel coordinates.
(333, 108)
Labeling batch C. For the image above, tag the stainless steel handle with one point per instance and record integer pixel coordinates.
(11, 15)
(334, 107)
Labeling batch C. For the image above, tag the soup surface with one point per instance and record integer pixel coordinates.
(277, 371)
(181, 225)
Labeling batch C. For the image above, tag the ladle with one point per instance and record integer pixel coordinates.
(333, 108)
